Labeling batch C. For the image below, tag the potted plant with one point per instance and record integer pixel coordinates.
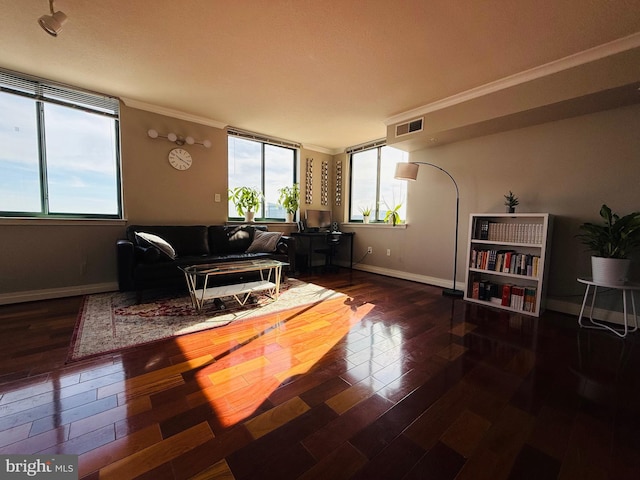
(511, 201)
(366, 213)
(393, 216)
(290, 200)
(247, 201)
(611, 243)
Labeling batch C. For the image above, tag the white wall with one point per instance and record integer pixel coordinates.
(567, 168)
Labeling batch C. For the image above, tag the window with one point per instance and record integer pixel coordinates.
(259, 164)
(60, 155)
(373, 185)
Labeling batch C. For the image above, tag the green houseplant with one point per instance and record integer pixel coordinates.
(366, 213)
(511, 201)
(611, 243)
(290, 200)
(393, 216)
(247, 201)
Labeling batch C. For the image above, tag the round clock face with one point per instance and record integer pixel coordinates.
(180, 159)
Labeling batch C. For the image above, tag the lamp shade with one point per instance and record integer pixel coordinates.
(52, 24)
(406, 171)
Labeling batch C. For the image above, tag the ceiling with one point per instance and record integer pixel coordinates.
(328, 74)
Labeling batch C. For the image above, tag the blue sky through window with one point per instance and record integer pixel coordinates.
(81, 159)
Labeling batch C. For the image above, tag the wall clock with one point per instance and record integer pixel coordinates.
(180, 159)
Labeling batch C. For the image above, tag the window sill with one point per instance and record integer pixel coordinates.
(402, 226)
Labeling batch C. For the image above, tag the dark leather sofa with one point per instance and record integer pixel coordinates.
(143, 266)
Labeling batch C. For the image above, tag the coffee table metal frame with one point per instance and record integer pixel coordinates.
(198, 276)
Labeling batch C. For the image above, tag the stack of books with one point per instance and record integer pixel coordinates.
(514, 296)
(505, 261)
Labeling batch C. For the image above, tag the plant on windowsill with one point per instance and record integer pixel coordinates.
(290, 200)
(247, 201)
(611, 242)
(366, 213)
(393, 216)
(511, 201)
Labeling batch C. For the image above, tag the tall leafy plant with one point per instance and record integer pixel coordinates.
(615, 237)
(290, 198)
(246, 199)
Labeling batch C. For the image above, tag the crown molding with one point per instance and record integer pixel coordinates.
(577, 59)
(328, 151)
(129, 102)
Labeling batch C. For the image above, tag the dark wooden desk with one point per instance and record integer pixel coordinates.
(314, 236)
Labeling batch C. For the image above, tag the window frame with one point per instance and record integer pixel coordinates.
(263, 141)
(375, 217)
(43, 92)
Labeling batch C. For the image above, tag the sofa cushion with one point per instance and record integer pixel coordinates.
(147, 254)
(147, 240)
(264, 241)
(240, 238)
(185, 239)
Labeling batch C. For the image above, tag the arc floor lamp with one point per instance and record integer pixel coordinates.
(409, 171)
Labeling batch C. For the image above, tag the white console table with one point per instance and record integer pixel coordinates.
(629, 287)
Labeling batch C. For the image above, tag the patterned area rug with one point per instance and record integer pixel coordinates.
(113, 321)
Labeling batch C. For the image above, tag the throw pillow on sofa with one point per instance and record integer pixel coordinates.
(265, 242)
(150, 240)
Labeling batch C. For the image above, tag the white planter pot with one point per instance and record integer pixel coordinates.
(610, 271)
(289, 218)
(248, 216)
(365, 218)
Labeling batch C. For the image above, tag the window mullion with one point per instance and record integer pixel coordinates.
(42, 160)
(262, 180)
(379, 162)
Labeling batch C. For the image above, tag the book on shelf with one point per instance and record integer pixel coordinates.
(505, 261)
(482, 229)
(516, 297)
(475, 290)
(528, 233)
(506, 295)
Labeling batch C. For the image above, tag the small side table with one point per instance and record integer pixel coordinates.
(627, 287)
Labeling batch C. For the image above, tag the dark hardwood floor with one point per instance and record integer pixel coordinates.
(392, 381)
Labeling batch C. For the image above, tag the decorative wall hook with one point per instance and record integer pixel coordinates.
(179, 139)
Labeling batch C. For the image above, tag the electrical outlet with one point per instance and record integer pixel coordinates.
(216, 197)
(388, 252)
(369, 249)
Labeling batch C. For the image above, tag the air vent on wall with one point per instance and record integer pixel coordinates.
(409, 127)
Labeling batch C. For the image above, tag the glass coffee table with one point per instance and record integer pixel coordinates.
(199, 276)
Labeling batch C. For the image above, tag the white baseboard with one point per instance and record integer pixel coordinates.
(50, 293)
(552, 304)
(438, 282)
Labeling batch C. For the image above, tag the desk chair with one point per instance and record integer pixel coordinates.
(332, 241)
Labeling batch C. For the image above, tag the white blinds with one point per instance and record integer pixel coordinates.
(47, 91)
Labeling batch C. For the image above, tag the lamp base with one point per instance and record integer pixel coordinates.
(450, 292)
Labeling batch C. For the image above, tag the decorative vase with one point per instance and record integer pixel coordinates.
(289, 218)
(610, 271)
(511, 209)
(365, 218)
(249, 216)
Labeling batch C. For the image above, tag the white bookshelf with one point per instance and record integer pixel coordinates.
(509, 256)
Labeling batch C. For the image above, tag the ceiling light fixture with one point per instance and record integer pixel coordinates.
(179, 139)
(52, 24)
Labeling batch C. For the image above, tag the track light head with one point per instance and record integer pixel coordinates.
(52, 24)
